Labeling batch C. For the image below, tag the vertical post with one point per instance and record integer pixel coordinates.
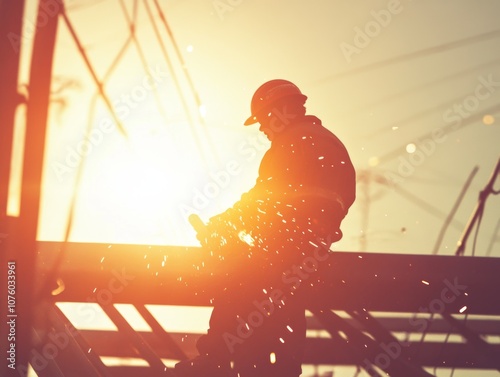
(36, 124)
(11, 16)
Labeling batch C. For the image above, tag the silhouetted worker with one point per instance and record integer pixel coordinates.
(270, 243)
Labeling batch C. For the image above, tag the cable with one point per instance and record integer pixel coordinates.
(86, 60)
(478, 225)
(454, 210)
(418, 88)
(413, 117)
(132, 27)
(187, 75)
(493, 239)
(478, 210)
(446, 129)
(176, 82)
(423, 204)
(179, 56)
(168, 61)
(412, 55)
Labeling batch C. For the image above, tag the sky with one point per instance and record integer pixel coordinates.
(383, 76)
(409, 86)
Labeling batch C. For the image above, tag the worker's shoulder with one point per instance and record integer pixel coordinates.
(311, 128)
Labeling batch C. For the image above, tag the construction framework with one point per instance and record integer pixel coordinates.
(376, 310)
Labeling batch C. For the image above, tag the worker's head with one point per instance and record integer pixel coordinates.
(274, 105)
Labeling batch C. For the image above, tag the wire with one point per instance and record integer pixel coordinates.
(84, 4)
(179, 56)
(493, 239)
(446, 129)
(478, 225)
(168, 61)
(176, 82)
(413, 117)
(98, 83)
(132, 27)
(418, 88)
(424, 205)
(412, 55)
(479, 210)
(187, 75)
(454, 210)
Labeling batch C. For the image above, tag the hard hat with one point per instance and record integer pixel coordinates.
(270, 92)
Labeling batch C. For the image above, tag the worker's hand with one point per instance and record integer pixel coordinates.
(202, 236)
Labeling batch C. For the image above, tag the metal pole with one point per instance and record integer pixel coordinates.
(36, 124)
(478, 211)
(11, 15)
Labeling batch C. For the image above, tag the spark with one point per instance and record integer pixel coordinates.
(425, 282)
(464, 308)
(247, 238)
(272, 358)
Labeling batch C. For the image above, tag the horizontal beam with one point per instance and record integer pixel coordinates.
(318, 350)
(167, 275)
(436, 326)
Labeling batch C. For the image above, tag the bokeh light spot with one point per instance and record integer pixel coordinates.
(488, 119)
(373, 161)
(411, 148)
